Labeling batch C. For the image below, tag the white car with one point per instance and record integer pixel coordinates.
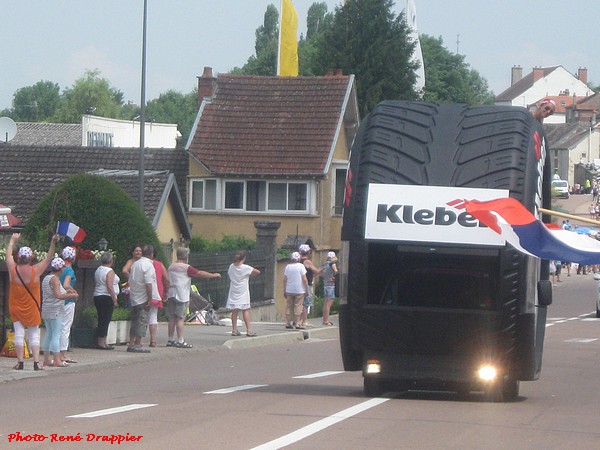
(560, 188)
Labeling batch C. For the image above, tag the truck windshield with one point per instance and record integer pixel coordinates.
(436, 281)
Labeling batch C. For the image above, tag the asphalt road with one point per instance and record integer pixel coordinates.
(295, 395)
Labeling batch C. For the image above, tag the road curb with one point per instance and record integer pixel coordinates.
(258, 341)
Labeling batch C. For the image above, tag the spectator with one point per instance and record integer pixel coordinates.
(295, 288)
(180, 276)
(142, 291)
(329, 271)
(136, 253)
(239, 292)
(162, 281)
(105, 297)
(67, 279)
(54, 295)
(311, 273)
(24, 302)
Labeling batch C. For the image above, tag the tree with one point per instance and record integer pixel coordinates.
(367, 39)
(448, 79)
(264, 61)
(100, 207)
(174, 107)
(89, 93)
(36, 103)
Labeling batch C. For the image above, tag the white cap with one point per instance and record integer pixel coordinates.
(295, 256)
(331, 255)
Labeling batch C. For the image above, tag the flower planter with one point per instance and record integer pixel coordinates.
(118, 332)
(83, 337)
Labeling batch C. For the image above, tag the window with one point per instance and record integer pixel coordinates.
(251, 196)
(340, 188)
(203, 194)
(234, 195)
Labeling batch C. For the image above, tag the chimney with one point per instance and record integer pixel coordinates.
(582, 75)
(516, 74)
(329, 73)
(538, 73)
(207, 84)
(339, 73)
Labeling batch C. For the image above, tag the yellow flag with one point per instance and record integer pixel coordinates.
(287, 64)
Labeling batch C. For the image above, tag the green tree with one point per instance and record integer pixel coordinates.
(264, 61)
(89, 93)
(367, 39)
(174, 107)
(448, 79)
(100, 207)
(36, 103)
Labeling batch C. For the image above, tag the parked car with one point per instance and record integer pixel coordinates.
(560, 188)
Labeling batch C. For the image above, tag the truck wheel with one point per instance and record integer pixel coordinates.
(373, 387)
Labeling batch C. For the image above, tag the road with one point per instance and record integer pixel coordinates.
(297, 396)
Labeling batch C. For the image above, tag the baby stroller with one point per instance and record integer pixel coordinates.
(201, 310)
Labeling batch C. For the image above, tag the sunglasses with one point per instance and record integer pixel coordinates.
(548, 108)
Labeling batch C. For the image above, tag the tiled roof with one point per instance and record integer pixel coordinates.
(28, 173)
(270, 126)
(47, 134)
(522, 85)
(564, 136)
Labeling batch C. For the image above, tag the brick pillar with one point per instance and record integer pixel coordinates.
(266, 240)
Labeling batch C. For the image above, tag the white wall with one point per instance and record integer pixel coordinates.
(126, 133)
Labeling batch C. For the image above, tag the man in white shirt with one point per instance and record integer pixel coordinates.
(143, 288)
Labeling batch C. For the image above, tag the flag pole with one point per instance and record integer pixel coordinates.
(568, 216)
(279, 41)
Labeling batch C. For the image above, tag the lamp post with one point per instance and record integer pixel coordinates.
(143, 111)
(102, 244)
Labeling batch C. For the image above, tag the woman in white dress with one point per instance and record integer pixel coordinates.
(239, 292)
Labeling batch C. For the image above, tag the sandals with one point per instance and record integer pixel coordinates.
(18, 366)
(251, 334)
(289, 326)
(36, 366)
(152, 344)
(60, 364)
(183, 345)
(236, 333)
(327, 323)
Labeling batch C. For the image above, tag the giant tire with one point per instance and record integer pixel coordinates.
(415, 143)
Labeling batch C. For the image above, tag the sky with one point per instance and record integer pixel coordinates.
(59, 40)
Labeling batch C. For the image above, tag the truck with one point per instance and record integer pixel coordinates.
(429, 297)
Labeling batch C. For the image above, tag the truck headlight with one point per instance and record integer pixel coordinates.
(373, 366)
(487, 373)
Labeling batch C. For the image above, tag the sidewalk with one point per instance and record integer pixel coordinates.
(202, 337)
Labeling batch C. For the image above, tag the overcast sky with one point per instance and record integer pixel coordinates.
(58, 40)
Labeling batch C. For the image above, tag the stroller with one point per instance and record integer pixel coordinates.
(201, 310)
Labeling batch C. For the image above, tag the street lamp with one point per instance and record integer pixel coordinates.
(102, 244)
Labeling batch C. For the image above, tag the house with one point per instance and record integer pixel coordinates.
(95, 131)
(30, 172)
(544, 82)
(570, 144)
(271, 149)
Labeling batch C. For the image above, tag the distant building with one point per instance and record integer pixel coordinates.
(544, 82)
(96, 131)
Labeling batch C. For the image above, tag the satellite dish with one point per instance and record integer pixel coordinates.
(8, 129)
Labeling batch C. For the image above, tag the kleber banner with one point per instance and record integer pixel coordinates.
(422, 214)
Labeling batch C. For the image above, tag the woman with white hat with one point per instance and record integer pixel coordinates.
(24, 302)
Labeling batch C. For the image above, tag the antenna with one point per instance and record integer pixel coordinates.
(8, 129)
(457, 42)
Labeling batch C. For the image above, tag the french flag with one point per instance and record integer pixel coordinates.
(520, 228)
(72, 231)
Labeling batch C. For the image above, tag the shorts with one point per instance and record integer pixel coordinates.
(139, 320)
(329, 291)
(177, 309)
(309, 297)
(294, 304)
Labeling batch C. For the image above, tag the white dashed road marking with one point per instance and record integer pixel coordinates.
(320, 374)
(106, 412)
(236, 389)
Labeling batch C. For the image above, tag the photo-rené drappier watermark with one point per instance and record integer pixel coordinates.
(79, 437)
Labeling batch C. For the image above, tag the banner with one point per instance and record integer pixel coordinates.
(287, 62)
